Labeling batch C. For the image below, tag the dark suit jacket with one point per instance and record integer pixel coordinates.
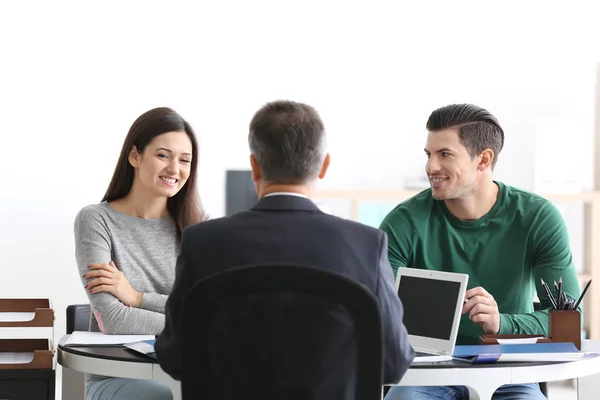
(292, 230)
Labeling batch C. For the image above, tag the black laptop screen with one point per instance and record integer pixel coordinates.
(429, 306)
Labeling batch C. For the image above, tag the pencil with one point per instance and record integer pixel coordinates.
(582, 294)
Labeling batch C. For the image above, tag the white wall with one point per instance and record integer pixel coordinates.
(74, 76)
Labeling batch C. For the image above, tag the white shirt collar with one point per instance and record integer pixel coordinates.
(285, 194)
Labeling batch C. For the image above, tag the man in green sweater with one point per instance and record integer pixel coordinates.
(506, 239)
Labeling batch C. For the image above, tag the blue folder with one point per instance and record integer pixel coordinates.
(538, 352)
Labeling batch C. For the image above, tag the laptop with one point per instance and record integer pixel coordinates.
(145, 347)
(432, 302)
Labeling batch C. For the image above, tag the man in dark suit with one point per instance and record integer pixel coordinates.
(287, 144)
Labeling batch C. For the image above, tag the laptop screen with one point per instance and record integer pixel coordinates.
(429, 306)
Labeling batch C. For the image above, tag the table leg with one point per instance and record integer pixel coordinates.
(73, 384)
(176, 389)
(159, 375)
(484, 392)
(588, 387)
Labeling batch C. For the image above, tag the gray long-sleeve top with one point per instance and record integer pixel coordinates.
(145, 250)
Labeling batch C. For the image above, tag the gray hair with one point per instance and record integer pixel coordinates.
(288, 140)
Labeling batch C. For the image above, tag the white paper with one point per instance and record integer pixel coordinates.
(16, 358)
(519, 340)
(26, 332)
(97, 338)
(16, 316)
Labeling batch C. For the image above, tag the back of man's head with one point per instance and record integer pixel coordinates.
(288, 141)
(477, 128)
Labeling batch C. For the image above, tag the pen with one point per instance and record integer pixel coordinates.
(560, 301)
(557, 297)
(582, 294)
(566, 302)
(570, 304)
(549, 293)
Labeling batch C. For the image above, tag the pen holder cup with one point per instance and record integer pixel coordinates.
(565, 326)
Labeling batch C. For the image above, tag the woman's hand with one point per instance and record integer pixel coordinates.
(108, 278)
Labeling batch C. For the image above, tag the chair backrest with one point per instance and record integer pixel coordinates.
(206, 296)
(78, 317)
(73, 382)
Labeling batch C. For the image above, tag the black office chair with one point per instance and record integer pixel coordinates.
(73, 382)
(78, 317)
(207, 296)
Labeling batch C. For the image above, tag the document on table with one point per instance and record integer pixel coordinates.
(528, 340)
(16, 358)
(16, 316)
(80, 338)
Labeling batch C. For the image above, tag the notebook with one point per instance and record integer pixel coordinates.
(88, 339)
(538, 352)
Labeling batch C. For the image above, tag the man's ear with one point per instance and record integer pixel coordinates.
(325, 165)
(256, 172)
(134, 157)
(485, 160)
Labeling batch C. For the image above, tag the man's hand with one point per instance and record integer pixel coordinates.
(482, 309)
(108, 278)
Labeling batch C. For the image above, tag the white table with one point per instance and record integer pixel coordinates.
(483, 381)
(112, 361)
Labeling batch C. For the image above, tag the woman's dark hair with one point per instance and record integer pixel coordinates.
(185, 207)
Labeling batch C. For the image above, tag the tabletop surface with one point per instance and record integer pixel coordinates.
(462, 364)
(120, 353)
(113, 353)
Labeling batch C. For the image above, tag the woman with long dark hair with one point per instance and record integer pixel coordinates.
(127, 245)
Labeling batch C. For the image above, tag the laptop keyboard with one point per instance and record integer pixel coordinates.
(421, 354)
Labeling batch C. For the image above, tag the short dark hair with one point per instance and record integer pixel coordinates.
(288, 140)
(185, 207)
(477, 128)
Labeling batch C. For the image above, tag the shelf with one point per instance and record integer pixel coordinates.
(26, 353)
(36, 313)
(379, 195)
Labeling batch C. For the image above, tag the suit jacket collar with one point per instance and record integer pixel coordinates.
(285, 203)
